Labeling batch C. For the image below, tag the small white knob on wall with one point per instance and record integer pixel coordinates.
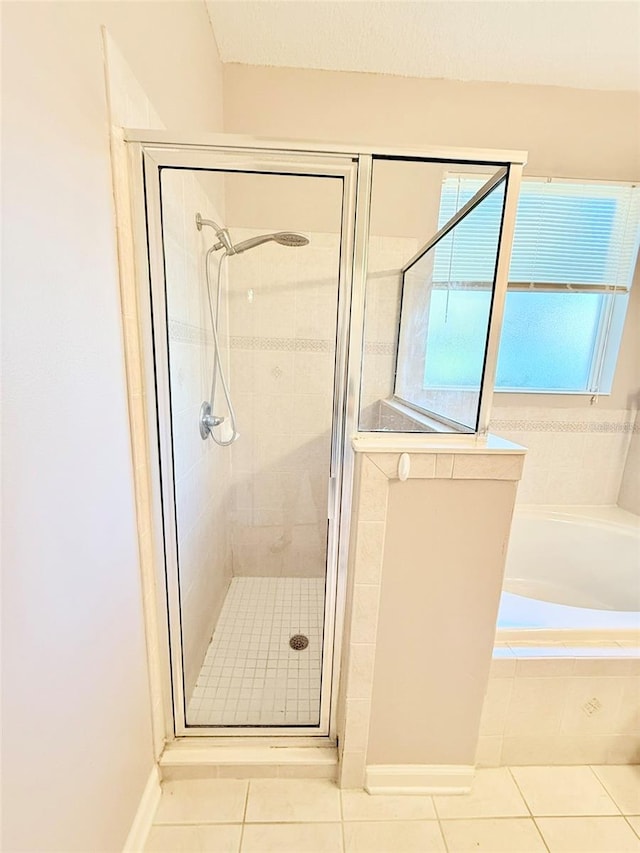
(404, 466)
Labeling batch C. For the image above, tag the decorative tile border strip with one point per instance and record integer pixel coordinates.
(564, 426)
(379, 348)
(188, 334)
(281, 344)
(185, 333)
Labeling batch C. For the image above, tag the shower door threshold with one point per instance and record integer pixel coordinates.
(286, 757)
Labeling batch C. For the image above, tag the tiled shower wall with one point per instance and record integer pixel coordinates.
(203, 542)
(575, 456)
(282, 316)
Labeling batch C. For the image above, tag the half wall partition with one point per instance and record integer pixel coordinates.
(295, 295)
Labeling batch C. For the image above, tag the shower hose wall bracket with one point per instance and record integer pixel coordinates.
(207, 420)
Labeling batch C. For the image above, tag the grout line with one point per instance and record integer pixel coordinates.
(544, 840)
(492, 817)
(604, 784)
(633, 829)
(201, 823)
(264, 822)
(435, 808)
(444, 820)
(244, 816)
(524, 799)
(342, 826)
(442, 834)
(605, 789)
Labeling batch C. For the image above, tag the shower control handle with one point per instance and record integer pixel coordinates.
(208, 421)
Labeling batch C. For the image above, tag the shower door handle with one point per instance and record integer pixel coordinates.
(331, 497)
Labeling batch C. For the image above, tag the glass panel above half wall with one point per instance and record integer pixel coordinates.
(427, 306)
(251, 311)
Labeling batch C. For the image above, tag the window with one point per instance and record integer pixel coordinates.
(574, 252)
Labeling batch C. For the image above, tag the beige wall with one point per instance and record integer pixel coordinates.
(445, 543)
(629, 497)
(76, 728)
(551, 122)
(567, 132)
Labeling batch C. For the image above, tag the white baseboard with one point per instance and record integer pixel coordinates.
(144, 815)
(419, 778)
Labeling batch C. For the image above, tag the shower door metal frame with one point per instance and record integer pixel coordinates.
(155, 157)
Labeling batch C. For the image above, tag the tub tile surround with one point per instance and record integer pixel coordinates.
(376, 465)
(575, 456)
(561, 704)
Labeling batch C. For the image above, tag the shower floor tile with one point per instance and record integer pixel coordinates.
(250, 675)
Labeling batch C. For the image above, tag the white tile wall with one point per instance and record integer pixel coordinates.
(202, 470)
(251, 675)
(575, 456)
(561, 705)
(387, 256)
(282, 315)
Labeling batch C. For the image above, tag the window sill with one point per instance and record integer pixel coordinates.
(542, 393)
(424, 423)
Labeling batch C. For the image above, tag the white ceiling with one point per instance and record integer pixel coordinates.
(590, 44)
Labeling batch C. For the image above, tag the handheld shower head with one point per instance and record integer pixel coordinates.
(284, 238)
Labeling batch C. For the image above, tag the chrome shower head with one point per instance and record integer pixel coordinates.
(284, 238)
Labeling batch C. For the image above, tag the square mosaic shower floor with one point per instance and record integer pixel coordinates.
(250, 675)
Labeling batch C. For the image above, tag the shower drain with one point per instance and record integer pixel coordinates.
(299, 642)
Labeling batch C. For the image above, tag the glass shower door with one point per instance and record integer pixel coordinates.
(253, 299)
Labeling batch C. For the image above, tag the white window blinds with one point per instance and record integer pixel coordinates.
(567, 233)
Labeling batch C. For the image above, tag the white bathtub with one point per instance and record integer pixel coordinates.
(572, 567)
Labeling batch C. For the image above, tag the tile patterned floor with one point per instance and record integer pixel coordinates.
(510, 810)
(250, 675)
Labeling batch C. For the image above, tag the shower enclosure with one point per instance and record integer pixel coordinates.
(297, 296)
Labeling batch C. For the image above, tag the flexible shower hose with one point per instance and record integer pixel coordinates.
(217, 361)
